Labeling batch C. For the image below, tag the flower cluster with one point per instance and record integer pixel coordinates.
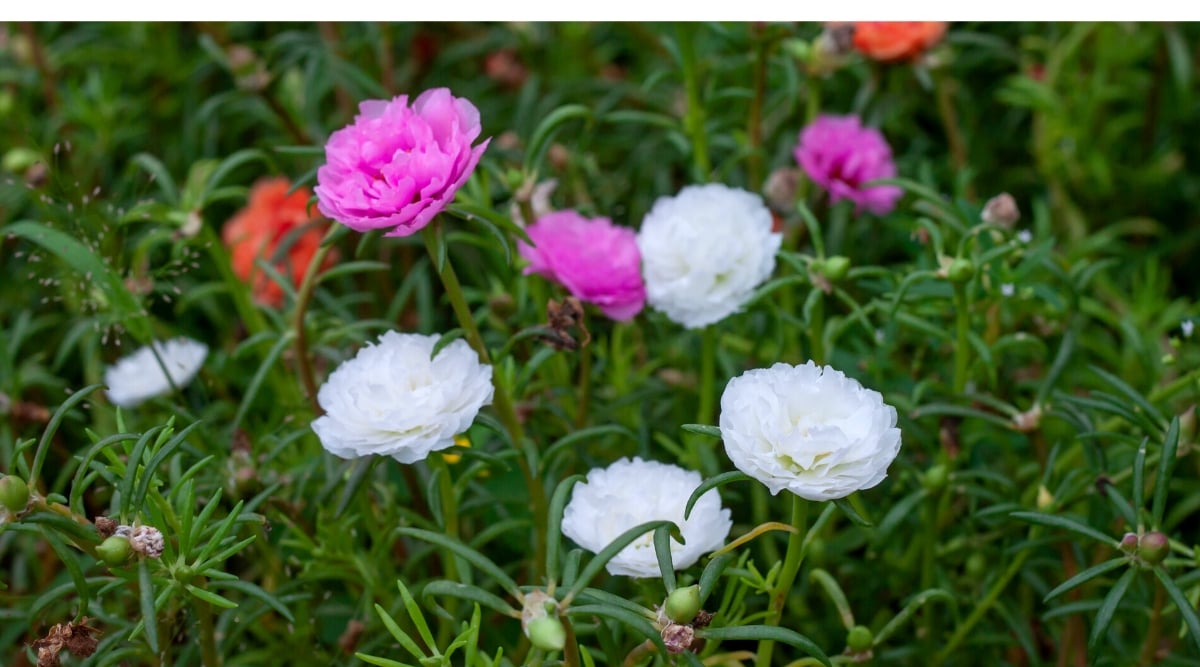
(704, 251)
(398, 399)
(632, 492)
(152, 371)
(276, 227)
(808, 429)
(841, 155)
(397, 166)
(595, 260)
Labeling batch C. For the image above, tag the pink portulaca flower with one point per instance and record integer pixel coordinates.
(596, 260)
(840, 155)
(397, 166)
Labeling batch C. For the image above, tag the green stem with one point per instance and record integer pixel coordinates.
(754, 160)
(438, 466)
(949, 116)
(962, 322)
(816, 330)
(303, 297)
(584, 391)
(700, 448)
(505, 410)
(1150, 646)
(571, 650)
(693, 121)
(791, 566)
(209, 655)
(982, 608)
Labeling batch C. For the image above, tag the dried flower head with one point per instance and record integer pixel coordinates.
(147, 541)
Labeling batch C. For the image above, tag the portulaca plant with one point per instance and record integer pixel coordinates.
(525, 344)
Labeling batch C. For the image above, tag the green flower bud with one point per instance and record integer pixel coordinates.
(14, 493)
(547, 633)
(114, 550)
(1153, 547)
(936, 478)
(976, 565)
(19, 159)
(859, 638)
(683, 604)
(835, 268)
(1129, 543)
(960, 270)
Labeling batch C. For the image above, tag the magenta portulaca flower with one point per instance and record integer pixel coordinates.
(397, 166)
(840, 155)
(597, 261)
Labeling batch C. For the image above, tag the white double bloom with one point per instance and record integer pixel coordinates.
(631, 492)
(705, 251)
(396, 399)
(808, 429)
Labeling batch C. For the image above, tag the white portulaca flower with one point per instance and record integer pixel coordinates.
(396, 399)
(704, 251)
(631, 492)
(808, 429)
(139, 377)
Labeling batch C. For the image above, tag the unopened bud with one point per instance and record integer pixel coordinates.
(1129, 543)
(835, 268)
(859, 638)
(1153, 547)
(683, 603)
(780, 189)
(1001, 210)
(960, 270)
(678, 638)
(1044, 498)
(114, 550)
(14, 493)
(935, 478)
(976, 565)
(547, 633)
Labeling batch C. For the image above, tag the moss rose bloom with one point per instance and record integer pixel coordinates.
(139, 377)
(632, 492)
(808, 429)
(276, 227)
(596, 260)
(396, 399)
(397, 166)
(840, 155)
(705, 251)
(890, 41)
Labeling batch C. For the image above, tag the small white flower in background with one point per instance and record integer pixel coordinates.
(808, 429)
(139, 377)
(1188, 327)
(704, 251)
(1007, 289)
(632, 492)
(393, 400)
(1025, 236)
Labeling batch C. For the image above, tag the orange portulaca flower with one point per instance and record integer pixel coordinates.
(890, 41)
(277, 227)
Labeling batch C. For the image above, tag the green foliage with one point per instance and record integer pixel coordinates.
(1043, 508)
